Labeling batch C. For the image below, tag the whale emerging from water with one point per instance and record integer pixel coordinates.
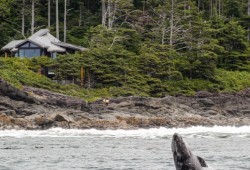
(184, 159)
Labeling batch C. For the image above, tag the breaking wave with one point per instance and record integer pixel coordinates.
(191, 132)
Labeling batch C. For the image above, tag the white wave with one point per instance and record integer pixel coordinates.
(191, 132)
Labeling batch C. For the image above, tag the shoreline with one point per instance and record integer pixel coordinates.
(157, 131)
(39, 109)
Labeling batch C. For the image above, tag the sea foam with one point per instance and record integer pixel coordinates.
(190, 132)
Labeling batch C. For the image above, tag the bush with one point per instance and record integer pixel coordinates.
(232, 81)
(19, 72)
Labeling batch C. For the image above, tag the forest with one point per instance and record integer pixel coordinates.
(136, 47)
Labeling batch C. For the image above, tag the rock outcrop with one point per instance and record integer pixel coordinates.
(13, 93)
(33, 108)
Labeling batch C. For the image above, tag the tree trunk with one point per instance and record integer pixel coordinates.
(163, 29)
(219, 7)
(109, 14)
(80, 15)
(32, 17)
(171, 24)
(216, 7)
(65, 21)
(89, 80)
(48, 13)
(199, 5)
(248, 12)
(211, 6)
(82, 75)
(57, 21)
(23, 18)
(104, 13)
(190, 47)
(143, 6)
(222, 9)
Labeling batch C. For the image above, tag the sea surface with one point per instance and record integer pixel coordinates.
(223, 148)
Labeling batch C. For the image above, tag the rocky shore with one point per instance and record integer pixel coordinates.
(33, 108)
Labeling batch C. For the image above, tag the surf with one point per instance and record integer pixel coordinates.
(190, 132)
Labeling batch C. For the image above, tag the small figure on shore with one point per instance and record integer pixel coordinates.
(106, 101)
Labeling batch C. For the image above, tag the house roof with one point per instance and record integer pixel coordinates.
(43, 39)
(12, 44)
(70, 46)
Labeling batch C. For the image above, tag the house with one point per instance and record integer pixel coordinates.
(42, 43)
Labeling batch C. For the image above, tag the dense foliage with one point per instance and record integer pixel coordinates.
(139, 47)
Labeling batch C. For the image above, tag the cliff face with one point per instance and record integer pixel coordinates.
(35, 108)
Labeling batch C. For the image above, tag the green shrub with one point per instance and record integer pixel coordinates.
(19, 72)
(232, 81)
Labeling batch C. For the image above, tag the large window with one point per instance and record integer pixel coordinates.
(29, 50)
(29, 53)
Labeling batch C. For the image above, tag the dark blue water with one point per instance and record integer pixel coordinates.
(113, 150)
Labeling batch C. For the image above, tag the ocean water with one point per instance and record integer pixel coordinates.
(223, 148)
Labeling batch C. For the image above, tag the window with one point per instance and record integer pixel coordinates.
(29, 53)
(33, 45)
(25, 45)
(29, 50)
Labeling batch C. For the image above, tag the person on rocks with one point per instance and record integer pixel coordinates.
(106, 101)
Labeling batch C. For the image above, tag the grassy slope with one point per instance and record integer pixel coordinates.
(16, 72)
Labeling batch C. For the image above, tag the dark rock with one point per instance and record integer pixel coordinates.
(85, 107)
(15, 94)
(210, 112)
(10, 112)
(206, 102)
(6, 102)
(141, 104)
(169, 100)
(57, 99)
(43, 122)
(26, 111)
(61, 118)
(204, 94)
(2, 108)
(246, 112)
(245, 93)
